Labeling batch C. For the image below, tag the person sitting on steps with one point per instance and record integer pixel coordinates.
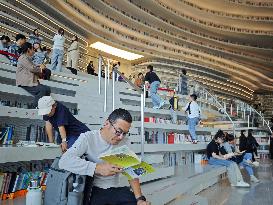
(216, 158)
(27, 74)
(106, 187)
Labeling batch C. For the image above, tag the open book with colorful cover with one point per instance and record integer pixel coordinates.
(126, 158)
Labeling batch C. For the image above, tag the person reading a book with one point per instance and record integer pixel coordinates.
(57, 116)
(106, 187)
(216, 158)
(241, 158)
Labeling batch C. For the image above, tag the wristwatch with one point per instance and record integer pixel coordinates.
(64, 140)
(141, 198)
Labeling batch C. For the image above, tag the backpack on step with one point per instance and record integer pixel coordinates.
(65, 188)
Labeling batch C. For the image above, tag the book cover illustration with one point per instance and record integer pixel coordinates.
(126, 158)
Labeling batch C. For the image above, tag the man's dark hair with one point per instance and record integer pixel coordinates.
(120, 114)
(61, 31)
(36, 29)
(184, 72)
(19, 36)
(230, 137)
(194, 96)
(150, 67)
(25, 47)
(219, 134)
(139, 74)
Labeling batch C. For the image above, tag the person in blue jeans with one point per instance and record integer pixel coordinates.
(216, 158)
(58, 116)
(58, 51)
(241, 158)
(194, 116)
(154, 81)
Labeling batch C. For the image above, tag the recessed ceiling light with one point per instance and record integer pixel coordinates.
(115, 51)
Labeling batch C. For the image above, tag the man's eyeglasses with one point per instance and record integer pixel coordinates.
(118, 132)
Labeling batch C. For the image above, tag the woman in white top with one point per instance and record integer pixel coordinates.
(58, 50)
(73, 55)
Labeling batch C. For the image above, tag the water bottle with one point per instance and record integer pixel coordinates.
(34, 196)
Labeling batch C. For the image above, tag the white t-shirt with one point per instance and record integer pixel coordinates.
(92, 144)
(194, 110)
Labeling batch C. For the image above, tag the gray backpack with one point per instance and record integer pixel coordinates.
(66, 188)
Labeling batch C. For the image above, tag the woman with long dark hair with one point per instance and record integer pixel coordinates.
(27, 74)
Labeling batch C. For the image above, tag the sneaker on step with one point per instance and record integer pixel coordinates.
(254, 179)
(194, 142)
(161, 104)
(242, 184)
(155, 107)
(256, 164)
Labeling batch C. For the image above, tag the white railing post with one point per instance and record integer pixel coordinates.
(247, 120)
(231, 109)
(142, 95)
(100, 62)
(108, 71)
(244, 113)
(113, 90)
(105, 90)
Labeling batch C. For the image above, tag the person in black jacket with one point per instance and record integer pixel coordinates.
(154, 82)
(248, 143)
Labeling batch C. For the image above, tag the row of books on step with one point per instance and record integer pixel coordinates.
(262, 140)
(178, 158)
(17, 104)
(13, 184)
(36, 133)
(162, 121)
(161, 137)
(6, 135)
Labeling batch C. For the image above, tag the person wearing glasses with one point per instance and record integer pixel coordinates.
(106, 187)
(59, 118)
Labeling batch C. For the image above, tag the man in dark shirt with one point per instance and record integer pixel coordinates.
(58, 116)
(154, 82)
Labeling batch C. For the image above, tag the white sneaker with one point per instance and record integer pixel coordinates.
(242, 184)
(254, 179)
(155, 107)
(161, 104)
(256, 164)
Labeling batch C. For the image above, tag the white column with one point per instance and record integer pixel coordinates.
(108, 70)
(231, 109)
(247, 120)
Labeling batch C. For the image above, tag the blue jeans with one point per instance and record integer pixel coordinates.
(247, 167)
(173, 115)
(156, 100)
(57, 59)
(214, 161)
(192, 122)
(234, 174)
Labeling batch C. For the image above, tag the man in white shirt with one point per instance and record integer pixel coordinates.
(106, 188)
(194, 114)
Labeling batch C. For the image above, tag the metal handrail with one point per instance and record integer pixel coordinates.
(262, 118)
(139, 90)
